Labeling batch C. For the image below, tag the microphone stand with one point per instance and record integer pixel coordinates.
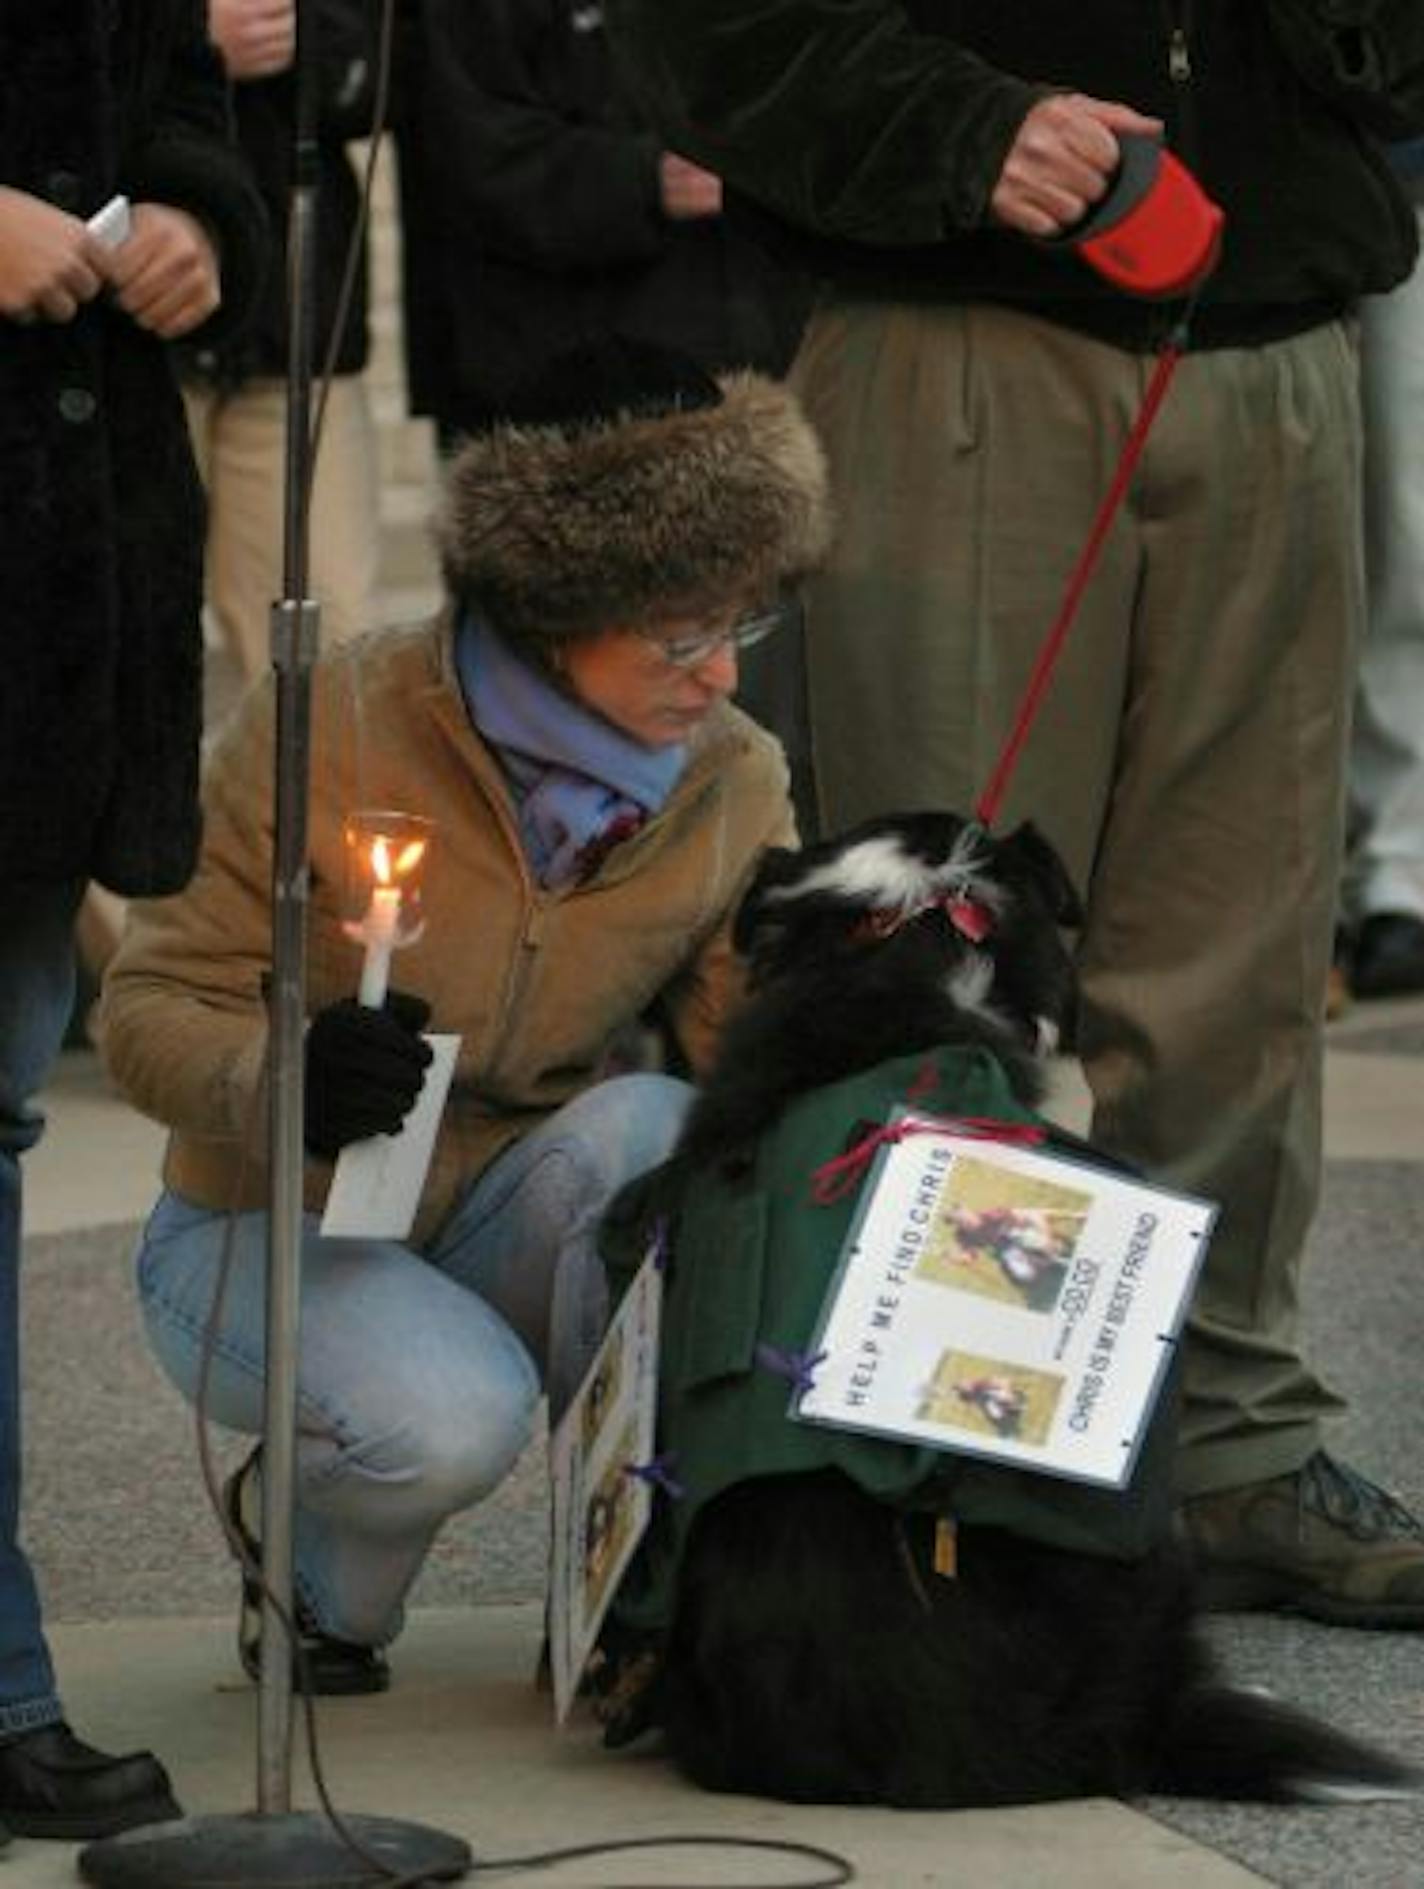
(274, 1845)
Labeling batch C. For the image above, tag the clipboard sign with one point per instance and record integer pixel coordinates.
(603, 1471)
(995, 1300)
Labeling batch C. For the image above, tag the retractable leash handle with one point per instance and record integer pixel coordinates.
(1156, 235)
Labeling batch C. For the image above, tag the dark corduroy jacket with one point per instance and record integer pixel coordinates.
(101, 526)
(872, 133)
(345, 39)
(531, 215)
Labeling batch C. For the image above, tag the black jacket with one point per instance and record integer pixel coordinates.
(345, 34)
(873, 132)
(531, 217)
(101, 526)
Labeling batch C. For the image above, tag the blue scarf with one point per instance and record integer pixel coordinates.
(579, 784)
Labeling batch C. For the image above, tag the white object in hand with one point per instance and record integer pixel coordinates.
(112, 223)
(379, 927)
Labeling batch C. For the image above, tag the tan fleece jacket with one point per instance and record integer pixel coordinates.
(537, 983)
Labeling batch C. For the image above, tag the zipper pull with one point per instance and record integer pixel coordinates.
(1179, 58)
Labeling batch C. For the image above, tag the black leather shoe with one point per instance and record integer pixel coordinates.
(54, 1785)
(1389, 956)
(322, 1665)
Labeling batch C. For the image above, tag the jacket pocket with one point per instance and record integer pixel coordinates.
(718, 1263)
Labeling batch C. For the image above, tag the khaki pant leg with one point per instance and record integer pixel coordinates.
(1213, 895)
(243, 459)
(1187, 760)
(969, 449)
(346, 515)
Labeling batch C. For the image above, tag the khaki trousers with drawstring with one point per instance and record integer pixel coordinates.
(1188, 761)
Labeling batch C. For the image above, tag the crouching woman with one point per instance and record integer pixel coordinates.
(598, 805)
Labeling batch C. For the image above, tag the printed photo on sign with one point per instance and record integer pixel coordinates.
(990, 1397)
(1010, 1239)
(608, 1520)
(605, 1384)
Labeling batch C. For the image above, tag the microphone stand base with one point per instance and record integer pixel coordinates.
(265, 1852)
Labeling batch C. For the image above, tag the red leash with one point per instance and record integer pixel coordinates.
(987, 806)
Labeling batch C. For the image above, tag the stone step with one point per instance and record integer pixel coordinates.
(410, 574)
(385, 363)
(408, 559)
(407, 447)
(410, 603)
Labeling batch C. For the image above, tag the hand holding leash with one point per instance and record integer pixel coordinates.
(1156, 234)
(1062, 162)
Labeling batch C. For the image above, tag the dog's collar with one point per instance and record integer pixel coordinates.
(970, 917)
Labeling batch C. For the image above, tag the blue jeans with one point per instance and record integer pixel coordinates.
(419, 1373)
(36, 996)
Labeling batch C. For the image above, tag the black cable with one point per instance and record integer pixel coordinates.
(547, 1859)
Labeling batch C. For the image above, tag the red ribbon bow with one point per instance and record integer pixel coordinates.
(836, 1178)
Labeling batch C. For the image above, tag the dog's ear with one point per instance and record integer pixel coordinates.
(777, 866)
(1026, 850)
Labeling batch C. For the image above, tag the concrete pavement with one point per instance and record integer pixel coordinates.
(463, 1742)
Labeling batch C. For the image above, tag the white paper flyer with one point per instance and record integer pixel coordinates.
(999, 1301)
(377, 1184)
(603, 1473)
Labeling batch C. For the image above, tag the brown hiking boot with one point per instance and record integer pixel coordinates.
(1322, 1542)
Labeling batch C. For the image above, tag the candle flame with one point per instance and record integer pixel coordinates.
(385, 870)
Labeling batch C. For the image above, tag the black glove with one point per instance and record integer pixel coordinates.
(364, 1069)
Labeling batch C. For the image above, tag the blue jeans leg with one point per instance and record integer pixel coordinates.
(36, 994)
(414, 1400)
(525, 1235)
(418, 1375)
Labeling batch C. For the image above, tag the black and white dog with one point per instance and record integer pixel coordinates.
(814, 1652)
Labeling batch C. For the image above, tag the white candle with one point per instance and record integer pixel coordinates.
(379, 928)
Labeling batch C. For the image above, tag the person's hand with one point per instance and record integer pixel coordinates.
(364, 1069)
(255, 37)
(166, 274)
(1062, 162)
(687, 191)
(49, 263)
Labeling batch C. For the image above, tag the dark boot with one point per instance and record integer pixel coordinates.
(1322, 1542)
(54, 1785)
(323, 1666)
(1389, 956)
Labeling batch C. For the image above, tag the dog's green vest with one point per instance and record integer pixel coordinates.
(749, 1261)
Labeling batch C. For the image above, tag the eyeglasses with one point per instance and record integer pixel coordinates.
(690, 652)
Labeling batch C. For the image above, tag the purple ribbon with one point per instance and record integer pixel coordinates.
(660, 1246)
(658, 1475)
(798, 1366)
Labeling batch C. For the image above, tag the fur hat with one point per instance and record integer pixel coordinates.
(627, 485)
